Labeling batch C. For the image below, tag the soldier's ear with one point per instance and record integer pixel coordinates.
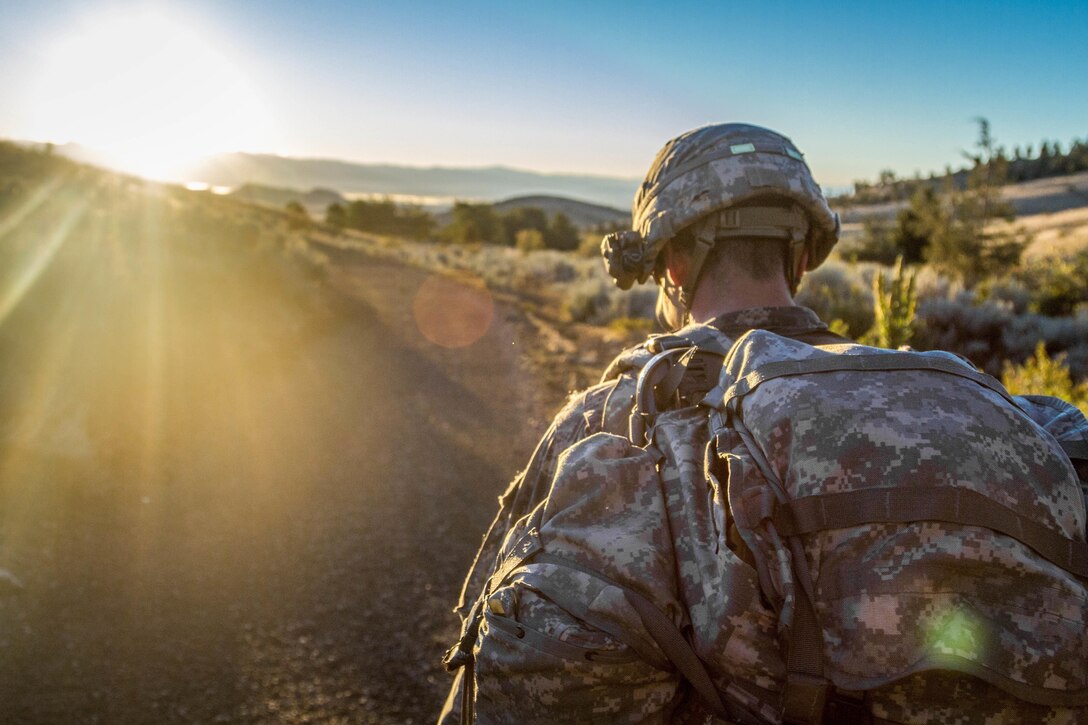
(677, 265)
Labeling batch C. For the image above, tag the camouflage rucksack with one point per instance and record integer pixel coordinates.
(834, 533)
(918, 532)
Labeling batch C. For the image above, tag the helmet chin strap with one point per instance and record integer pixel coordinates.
(705, 236)
(793, 261)
(773, 223)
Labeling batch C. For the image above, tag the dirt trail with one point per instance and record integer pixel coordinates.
(294, 556)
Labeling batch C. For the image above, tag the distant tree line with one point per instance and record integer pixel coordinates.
(527, 228)
(1020, 164)
(950, 230)
(382, 216)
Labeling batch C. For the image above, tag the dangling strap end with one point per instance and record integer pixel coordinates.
(805, 699)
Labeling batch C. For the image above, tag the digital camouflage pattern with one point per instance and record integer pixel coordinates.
(604, 408)
(901, 599)
(704, 171)
(593, 515)
(566, 640)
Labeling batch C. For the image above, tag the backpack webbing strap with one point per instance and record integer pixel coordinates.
(1076, 450)
(952, 505)
(672, 643)
(805, 693)
(468, 696)
(894, 361)
(667, 388)
(460, 657)
(677, 649)
(706, 337)
(657, 382)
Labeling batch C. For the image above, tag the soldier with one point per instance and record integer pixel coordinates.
(739, 524)
(727, 221)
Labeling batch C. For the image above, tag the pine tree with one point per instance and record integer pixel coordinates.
(336, 216)
(963, 247)
(918, 224)
(562, 234)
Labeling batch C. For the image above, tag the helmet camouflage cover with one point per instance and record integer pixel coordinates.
(705, 171)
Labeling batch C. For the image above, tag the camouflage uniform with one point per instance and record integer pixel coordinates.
(603, 408)
(610, 566)
(559, 643)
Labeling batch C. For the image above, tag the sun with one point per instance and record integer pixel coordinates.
(148, 91)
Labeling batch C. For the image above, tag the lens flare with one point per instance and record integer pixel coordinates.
(453, 313)
(957, 633)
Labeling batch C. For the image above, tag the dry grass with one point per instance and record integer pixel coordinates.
(1057, 233)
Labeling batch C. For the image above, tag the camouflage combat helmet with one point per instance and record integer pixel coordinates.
(704, 176)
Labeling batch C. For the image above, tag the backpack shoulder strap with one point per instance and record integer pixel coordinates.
(889, 361)
(684, 366)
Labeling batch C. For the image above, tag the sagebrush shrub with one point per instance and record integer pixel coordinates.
(840, 291)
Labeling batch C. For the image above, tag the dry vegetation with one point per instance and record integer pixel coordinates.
(580, 317)
(236, 485)
(992, 325)
(216, 501)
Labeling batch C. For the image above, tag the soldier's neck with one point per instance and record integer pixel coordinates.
(715, 300)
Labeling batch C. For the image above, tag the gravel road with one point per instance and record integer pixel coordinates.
(286, 540)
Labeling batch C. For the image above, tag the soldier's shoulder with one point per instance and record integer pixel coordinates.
(628, 362)
(606, 405)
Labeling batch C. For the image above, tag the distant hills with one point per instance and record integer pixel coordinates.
(431, 186)
(1028, 198)
(581, 214)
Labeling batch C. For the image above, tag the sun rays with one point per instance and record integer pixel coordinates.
(150, 91)
(39, 259)
(146, 349)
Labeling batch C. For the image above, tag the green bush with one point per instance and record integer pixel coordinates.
(1044, 375)
(1058, 285)
(875, 244)
(895, 302)
(599, 302)
(529, 240)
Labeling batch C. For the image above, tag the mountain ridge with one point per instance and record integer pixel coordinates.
(439, 184)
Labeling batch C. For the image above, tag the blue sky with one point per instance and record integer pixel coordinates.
(598, 87)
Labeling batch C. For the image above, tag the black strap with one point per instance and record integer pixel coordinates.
(804, 697)
(468, 695)
(903, 505)
(805, 693)
(460, 657)
(1076, 450)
